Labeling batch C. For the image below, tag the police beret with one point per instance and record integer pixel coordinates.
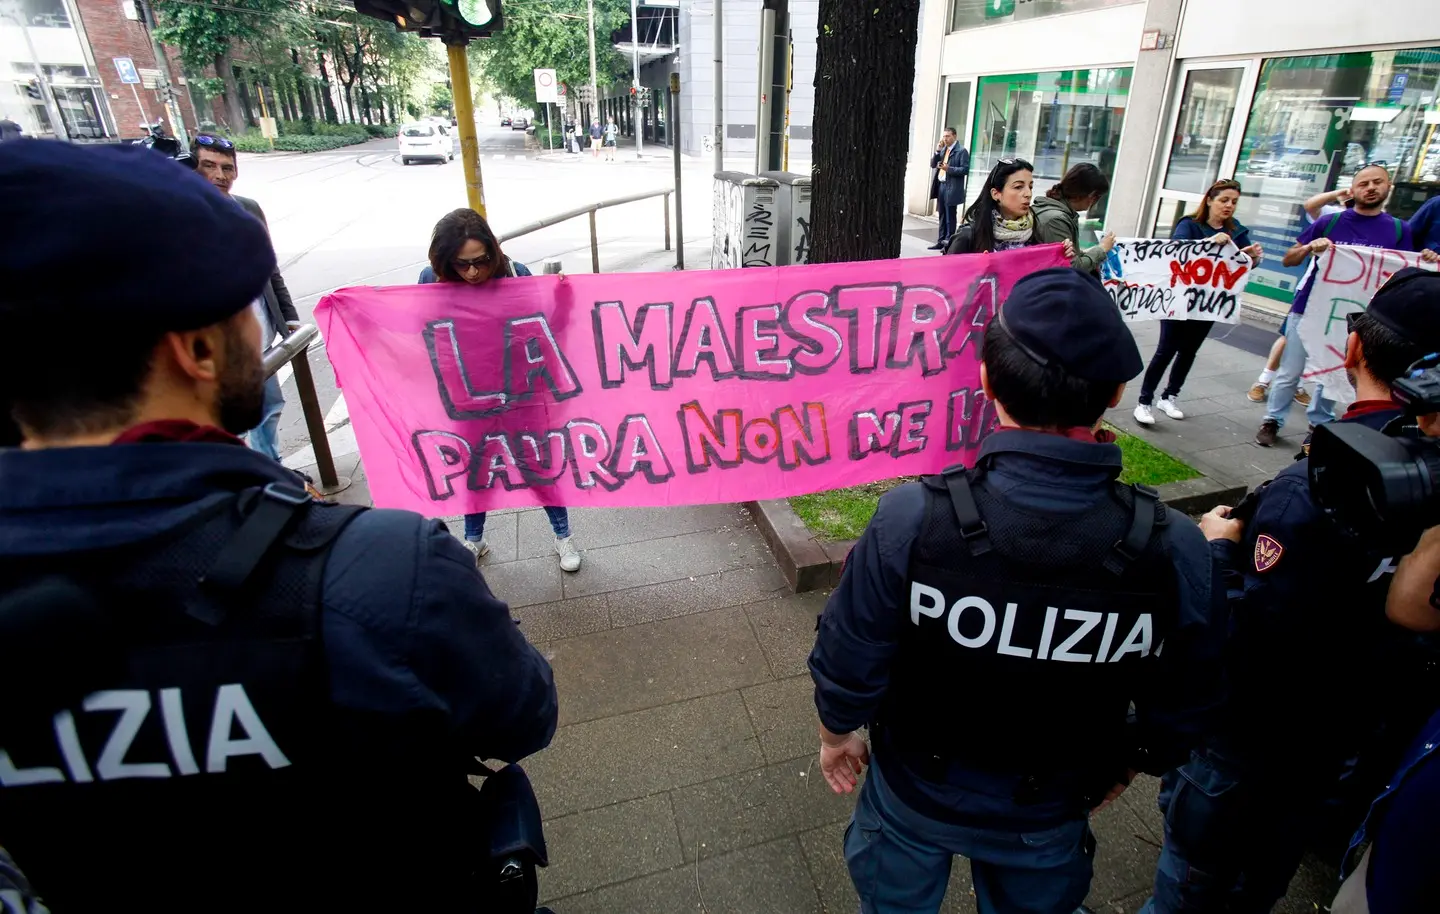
(1066, 317)
(123, 232)
(1409, 304)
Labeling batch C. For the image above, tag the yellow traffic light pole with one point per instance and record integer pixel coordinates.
(465, 124)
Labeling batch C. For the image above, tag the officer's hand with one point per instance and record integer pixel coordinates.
(842, 762)
(1217, 525)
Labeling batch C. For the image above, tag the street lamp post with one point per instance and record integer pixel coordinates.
(465, 123)
(594, 83)
(635, 78)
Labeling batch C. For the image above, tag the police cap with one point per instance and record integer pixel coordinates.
(1065, 317)
(1409, 305)
(122, 233)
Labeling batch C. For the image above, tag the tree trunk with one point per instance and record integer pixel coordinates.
(234, 111)
(864, 79)
(327, 98)
(302, 88)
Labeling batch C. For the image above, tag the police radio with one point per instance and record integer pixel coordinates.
(1383, 485)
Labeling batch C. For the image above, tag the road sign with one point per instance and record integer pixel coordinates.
(126, 68)
(546, 87)
(1397, 86)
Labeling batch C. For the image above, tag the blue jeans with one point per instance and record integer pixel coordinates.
(559, 522)
(1232, 841)
(1287, 381)
(900, 860)
(265, 437)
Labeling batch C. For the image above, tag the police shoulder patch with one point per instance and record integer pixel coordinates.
(1267, 552)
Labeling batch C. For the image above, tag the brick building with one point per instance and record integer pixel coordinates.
(115, 29)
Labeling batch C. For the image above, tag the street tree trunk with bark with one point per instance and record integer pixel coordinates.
(234, 110)
(864, 78)
(327, 98)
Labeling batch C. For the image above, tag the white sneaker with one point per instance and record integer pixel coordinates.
(1168, 407)
(569, 555)
(1143, 415)
(479, 550)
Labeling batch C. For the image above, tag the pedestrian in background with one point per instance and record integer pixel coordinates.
(1180, 340)
(463, 249)
(597, 135)
(1057, 214)
(216, 161)
(951, 165)
(612, 134)
(953, 588)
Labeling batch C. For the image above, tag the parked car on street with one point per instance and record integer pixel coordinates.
(426, 141)
(504, 122)
(519, 123)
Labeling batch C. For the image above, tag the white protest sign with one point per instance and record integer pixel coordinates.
(1346, 278)
(546, 87)
(1153, 279)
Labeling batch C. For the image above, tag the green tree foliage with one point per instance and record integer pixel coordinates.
(441, 99)
(207, 36)
(550, 34)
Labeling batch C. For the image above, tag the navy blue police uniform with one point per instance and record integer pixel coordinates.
(1314, 674)
(219, 694)
(993, 626)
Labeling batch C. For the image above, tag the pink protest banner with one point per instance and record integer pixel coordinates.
(667, 388)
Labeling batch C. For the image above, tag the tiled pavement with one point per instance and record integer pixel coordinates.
(683, 775)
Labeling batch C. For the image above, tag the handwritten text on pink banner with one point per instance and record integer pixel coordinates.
(667, 388)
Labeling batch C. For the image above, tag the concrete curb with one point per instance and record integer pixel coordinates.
(810, 563)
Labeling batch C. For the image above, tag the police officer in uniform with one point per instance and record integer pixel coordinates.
(994, 624)
(1321, 684)
(218, 694)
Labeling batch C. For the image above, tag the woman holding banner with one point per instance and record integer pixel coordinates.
(464, 249)
(1180, 340)
(1057, 214)
(1001, 219)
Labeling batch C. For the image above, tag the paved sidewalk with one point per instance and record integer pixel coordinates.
(683, 775)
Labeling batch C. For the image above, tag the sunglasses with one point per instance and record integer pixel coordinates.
(473, 263)
(1226, 184)
(218, 142)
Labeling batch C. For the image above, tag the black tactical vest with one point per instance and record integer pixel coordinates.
(176, 748)
(1027, 634)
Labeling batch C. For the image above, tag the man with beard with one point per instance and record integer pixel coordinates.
(1365, 224)
(219, 694)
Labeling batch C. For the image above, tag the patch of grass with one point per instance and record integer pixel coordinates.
(1147, 464)
(841, 514)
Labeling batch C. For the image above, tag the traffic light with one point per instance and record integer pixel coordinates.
(444, 19)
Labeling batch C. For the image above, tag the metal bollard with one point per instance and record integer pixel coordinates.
(595, 245)
(667, 222)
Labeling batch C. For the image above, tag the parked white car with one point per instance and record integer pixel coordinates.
(426, 141)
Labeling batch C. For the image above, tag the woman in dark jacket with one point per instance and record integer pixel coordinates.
(464, 249)
(1214, 220)
(1001, 220)
(1057, 214)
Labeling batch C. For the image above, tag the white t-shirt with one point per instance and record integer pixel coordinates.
(268, 333)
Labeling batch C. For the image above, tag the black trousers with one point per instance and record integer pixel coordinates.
(1179, 340)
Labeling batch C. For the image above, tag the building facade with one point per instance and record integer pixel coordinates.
(678, 36)
(77, 42)
(1166, 96)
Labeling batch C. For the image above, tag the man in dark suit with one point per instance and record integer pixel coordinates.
(948, 168)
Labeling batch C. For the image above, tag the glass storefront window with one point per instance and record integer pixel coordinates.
(1054, 120)
(957, 103)
(45, 14)
(1317, 120)
(1206, 108)
(970, 14)
(80, 111)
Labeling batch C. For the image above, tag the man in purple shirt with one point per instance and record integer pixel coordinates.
(1366, 224)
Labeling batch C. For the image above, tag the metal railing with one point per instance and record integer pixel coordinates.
(295, 350)
(591, 209)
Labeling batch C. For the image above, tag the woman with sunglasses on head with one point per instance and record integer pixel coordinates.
(1214, 220)
(1001, 219)
(464, 249)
